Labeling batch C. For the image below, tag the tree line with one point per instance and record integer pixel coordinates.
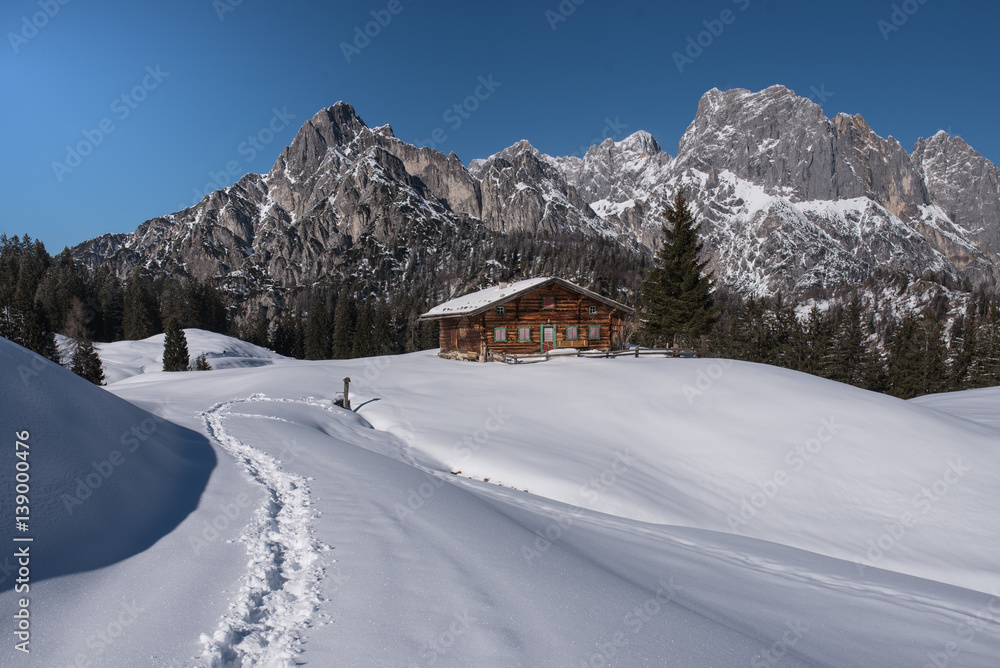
(369, 307)
(853, 340)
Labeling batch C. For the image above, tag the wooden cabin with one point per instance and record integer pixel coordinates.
(530, 316)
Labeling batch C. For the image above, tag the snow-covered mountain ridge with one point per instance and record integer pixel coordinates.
(790, 200)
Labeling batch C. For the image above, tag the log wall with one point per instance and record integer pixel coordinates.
(472, 336)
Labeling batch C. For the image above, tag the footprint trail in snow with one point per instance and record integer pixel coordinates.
(279, 593)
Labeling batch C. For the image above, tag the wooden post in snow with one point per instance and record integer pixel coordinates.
(347, 395)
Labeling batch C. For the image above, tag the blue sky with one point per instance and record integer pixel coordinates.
(168, 99)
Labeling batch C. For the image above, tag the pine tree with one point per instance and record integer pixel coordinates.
(175, 349)
(61, 286)
(364, 343)
(935, 367)
(343, 326)
(38, 336)
(847, 359)
(786, 334)
(110, 296)
(962, 353)
(141, 308)
(86, 362)
(317, 343)
(817, 335)
(916, 363)
(299, 346)
(677, 297)
(383, 330)
(985, 367)
(283, 338)
(255, 329)
(201, 363)
(750, 336)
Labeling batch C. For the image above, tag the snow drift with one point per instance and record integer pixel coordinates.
(578, 512)
(123, 359)
(107, 479)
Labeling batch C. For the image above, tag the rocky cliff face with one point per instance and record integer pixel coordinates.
(964, 184)
(789, 200)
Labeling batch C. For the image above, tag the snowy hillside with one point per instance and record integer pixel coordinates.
(579, 512)
(105, 479)
(123, 359)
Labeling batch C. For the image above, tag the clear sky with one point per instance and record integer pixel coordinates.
(115, 112)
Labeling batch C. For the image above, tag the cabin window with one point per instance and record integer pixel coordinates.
(501, 310)
(595, 333)
(548, 301)
(524, 334)
(500, 334)
(572, 333)
(592, 310)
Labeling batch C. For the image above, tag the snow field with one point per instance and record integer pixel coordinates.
(677, 512)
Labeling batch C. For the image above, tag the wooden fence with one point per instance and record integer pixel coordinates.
(602, 354)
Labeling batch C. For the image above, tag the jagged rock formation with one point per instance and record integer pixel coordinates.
(790, 200)
(964, 184)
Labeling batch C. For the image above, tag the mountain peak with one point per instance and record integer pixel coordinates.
(641, 142)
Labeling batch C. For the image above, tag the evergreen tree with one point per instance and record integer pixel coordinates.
(935, 353)
(847, 359)
(299, 347)
(962, 353)
(916, 363)
(430, 334)
(343, 326)
(283, 338)
(175, 349)
(38, 336)
(201, 363)
(35, 261)
(255, 329)
(677, 297)
(60, 287)
(786, 334)
(985, 367)
(364, 332)
(111, 298)
(86, 363)
(384, 330)
(141, 308)
(815, 343)
(750, 336)
(317, 343)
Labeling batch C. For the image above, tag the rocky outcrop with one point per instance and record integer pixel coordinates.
(965, 185)
(789, 200)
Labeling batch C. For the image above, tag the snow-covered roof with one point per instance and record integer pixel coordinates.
(483, 300)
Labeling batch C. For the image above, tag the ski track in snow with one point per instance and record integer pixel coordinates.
(281, 589)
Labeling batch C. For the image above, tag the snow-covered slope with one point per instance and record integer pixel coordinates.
(577, 512)
(977, 405)
(123, 359)
(104, 479)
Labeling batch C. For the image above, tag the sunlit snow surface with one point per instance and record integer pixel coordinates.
(638, 512)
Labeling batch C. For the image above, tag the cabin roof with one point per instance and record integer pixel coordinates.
(483, 300)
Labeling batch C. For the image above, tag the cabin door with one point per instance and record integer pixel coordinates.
(548, 337)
